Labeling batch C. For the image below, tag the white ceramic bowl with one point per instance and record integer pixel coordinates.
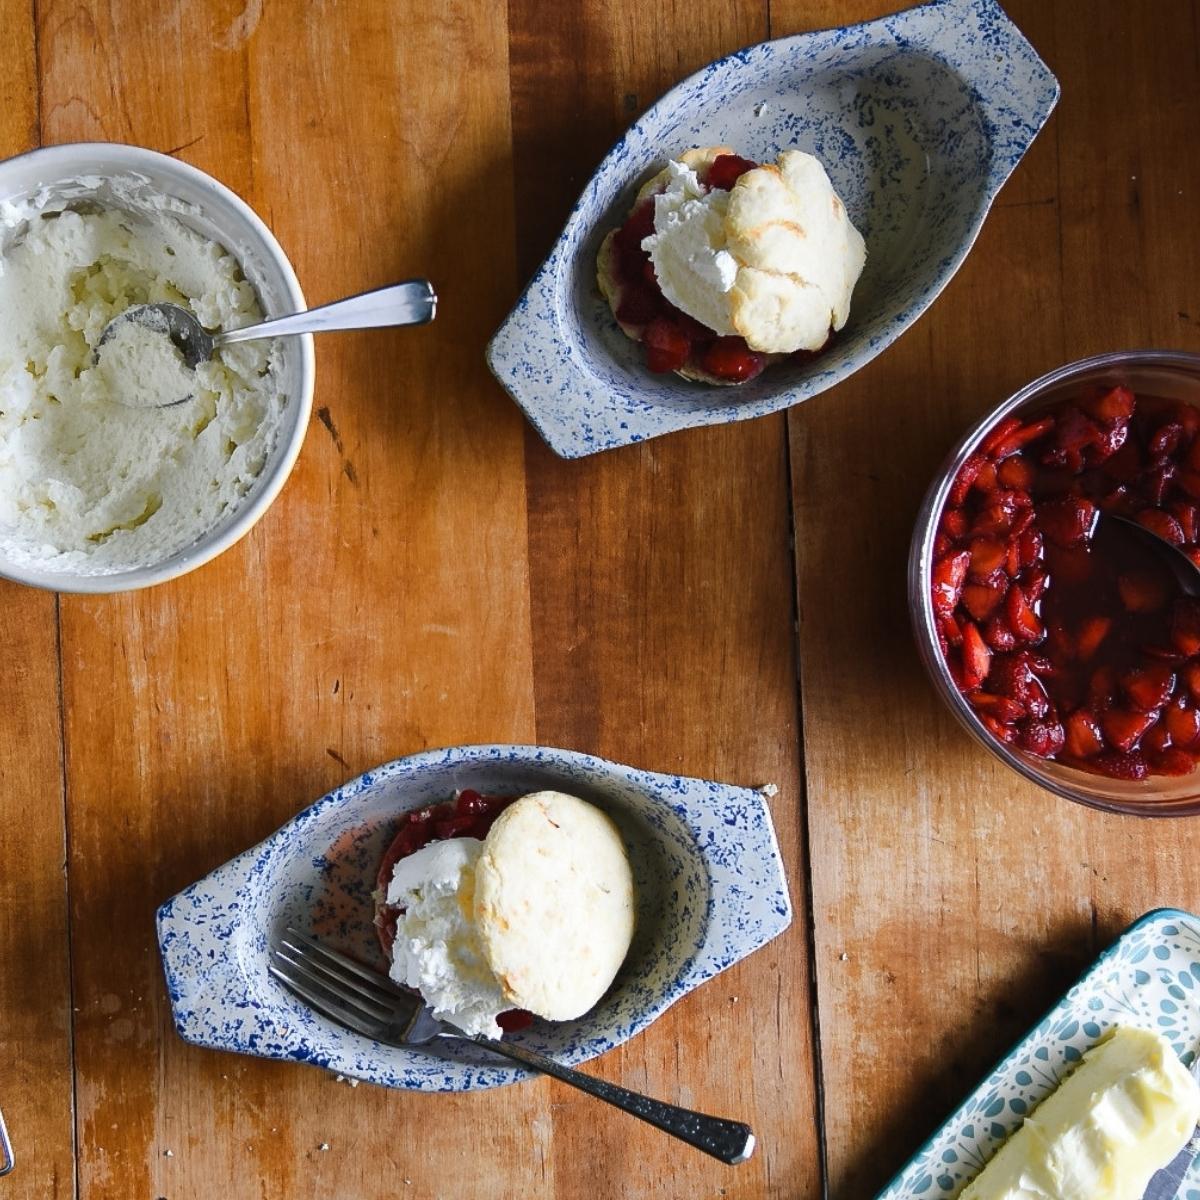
(131, 177)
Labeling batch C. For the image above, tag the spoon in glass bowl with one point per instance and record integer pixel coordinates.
(1185, 572)
(411, 303)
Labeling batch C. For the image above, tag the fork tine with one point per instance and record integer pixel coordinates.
(339, 980)
(302, 966)
(380, 985)
(323, 1003)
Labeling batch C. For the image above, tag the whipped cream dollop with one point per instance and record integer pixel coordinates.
(775, 259)
(89, 484)
(1122, 1114)
(437, 948)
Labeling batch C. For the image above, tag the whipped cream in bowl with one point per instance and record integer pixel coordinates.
(100, 489)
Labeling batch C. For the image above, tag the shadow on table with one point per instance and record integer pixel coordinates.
(999, 1020)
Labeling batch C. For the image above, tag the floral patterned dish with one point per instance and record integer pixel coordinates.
(1149, 977)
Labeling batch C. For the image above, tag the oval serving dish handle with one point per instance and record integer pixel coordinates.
(749, 903)
(1014, 89)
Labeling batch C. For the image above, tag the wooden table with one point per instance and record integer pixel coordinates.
(432, 575)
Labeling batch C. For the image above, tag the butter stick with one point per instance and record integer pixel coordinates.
(1123, 1113)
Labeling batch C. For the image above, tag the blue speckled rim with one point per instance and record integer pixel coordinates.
(891, 1192)
(747, 905)
(618, 418)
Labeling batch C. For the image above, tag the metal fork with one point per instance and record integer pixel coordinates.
(369, 1003)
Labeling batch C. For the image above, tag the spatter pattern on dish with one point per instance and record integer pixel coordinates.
(707, 873)
(919, 119)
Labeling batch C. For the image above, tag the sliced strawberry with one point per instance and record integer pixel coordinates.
(1185, 625)
(1188, 518)
(981, 599)
(1068, 522)
(998, 635)
(998, 435)
(954, 523)
(1149, 688)
(976, 657)
(1114, 405)
(639, 305)
(726, 169)
(667, 347)
(985, 481)
(950, 629)
(1012, 677)
(1017, 473)
(1031, 547)
(1043, 738)
(1082, 734)
(1123, 728)
(1001, 707)
(1120, 766)
(998, 729)
(1184, 724)
(942, 545)
(997, 517)
(1075, 432)
(1021, 618)
(731, 359)
(1162, 524)
(1156, 482)
(1012, 558)
(1156, 739)
(1092, 632)
(988, 555)
(1165, 439)
(1021, 437)
(1110, 441)
(1126, 465)
(965, 479)
(1033, 582)
(1172, 762)
(1191, 677)
(1143, 591)
(949, 574)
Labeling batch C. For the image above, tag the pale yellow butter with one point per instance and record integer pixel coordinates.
(1122, 1114)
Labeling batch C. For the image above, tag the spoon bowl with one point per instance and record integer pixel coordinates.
(411, 303)
(1183, 570)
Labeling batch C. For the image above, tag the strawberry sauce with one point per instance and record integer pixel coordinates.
(1069, 637)
(470, 814)
(672, 339)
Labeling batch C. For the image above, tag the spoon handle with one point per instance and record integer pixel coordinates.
(730, 1141)
(411, 303)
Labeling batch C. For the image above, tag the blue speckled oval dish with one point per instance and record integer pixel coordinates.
(710, 890)
(919, 119)
(1149, 977)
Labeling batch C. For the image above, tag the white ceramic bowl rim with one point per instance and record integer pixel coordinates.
(124, 158)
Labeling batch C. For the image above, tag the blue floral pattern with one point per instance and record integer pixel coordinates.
(1150, 977)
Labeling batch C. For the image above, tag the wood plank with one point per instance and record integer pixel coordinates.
(380, 607)
(663, 632)
(952, 902)
(35, 997)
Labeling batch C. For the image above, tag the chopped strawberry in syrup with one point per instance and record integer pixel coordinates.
(673, 340)
(727, 169)
(1070, 637)
(469, 814)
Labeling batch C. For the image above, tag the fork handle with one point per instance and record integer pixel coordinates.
(730, 1141)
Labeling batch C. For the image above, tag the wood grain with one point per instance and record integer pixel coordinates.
(432, 575)
(662, 621)
(952, 902)
(35, 999)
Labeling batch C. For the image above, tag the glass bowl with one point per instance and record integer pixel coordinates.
(1171, 374)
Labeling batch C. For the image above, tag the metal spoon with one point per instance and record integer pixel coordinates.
(410, 303)
(1186, 572)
